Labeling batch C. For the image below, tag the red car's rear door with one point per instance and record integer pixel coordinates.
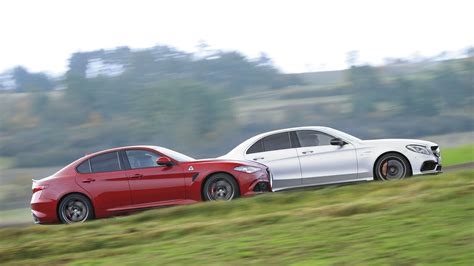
(150, 183)
(104, 178)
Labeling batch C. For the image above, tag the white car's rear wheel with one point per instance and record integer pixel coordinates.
(392, 166)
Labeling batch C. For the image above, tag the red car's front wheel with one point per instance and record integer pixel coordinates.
(221, 187)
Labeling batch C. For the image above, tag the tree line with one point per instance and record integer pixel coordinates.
(187, 101)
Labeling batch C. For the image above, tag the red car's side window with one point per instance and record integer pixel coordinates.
(142, 158)
(84, 167)
(107, 162)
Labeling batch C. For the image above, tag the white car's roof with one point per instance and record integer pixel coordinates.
(238, 151)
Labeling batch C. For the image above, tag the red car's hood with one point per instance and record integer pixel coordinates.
(236, 162)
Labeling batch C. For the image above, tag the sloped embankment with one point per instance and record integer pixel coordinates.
(428, 219)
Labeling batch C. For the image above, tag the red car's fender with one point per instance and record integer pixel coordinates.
(196, 173)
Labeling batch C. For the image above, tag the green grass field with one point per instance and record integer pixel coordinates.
(421, 220)
(458, 155)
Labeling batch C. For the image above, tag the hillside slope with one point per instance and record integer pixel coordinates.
(422, 220)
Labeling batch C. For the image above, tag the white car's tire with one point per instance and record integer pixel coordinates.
(392, 166)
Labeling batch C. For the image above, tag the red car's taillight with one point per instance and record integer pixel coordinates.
(35, 187)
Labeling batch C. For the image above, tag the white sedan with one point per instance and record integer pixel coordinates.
(308, 156)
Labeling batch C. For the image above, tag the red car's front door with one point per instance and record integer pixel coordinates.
(150, 183)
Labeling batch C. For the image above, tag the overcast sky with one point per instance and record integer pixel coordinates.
(298, 35)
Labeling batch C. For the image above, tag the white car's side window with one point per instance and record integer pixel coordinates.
(256, 148)
(310, 138)
(279, 141)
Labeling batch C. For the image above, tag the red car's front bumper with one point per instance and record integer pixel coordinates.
(261, 183)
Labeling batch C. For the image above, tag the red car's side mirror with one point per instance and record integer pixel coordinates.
(164, 161)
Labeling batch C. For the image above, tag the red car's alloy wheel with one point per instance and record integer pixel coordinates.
(220, 190)
(75, 209)
(221, 187)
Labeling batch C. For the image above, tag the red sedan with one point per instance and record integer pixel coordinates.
(127, 179)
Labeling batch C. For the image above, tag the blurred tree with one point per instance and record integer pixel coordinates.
(142, 64)
(366, 88)
(454, 82)
(183, 110)
(168, 97)
(26, 81)
(78, 65)
(415, 98)
(230, 70)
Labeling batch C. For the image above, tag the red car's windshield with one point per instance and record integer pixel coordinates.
(176, 155)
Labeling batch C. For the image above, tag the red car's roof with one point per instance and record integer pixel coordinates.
(124, 147)
(160, 149)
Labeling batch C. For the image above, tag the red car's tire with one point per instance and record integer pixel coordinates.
(220, 187)
(75, 208)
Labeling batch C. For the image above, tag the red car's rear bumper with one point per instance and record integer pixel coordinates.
(43, 208)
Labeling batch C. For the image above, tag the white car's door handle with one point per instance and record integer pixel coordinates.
(258, 158)
(306, 152)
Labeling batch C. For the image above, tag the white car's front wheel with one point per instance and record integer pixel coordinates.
(392, 166)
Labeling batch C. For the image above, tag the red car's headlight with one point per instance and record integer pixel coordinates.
(247, 169)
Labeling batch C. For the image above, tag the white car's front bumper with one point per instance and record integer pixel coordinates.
(424, 164)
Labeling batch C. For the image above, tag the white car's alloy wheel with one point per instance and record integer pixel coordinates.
(392, 166)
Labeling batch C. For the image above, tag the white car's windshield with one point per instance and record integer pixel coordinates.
(176, 155)
(345, 135)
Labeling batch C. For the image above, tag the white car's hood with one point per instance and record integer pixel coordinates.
(398, 142)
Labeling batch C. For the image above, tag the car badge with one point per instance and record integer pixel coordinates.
(191, 168)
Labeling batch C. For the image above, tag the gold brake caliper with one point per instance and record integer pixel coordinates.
(384, 169)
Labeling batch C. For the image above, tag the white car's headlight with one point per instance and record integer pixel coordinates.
(418, 149)
(247, 169)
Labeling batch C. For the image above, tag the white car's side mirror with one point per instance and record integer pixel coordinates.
(338, 142)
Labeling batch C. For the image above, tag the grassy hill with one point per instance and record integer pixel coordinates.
(422, 220)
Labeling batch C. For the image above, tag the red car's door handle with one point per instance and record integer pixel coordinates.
(88, 180)
(137, 176)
